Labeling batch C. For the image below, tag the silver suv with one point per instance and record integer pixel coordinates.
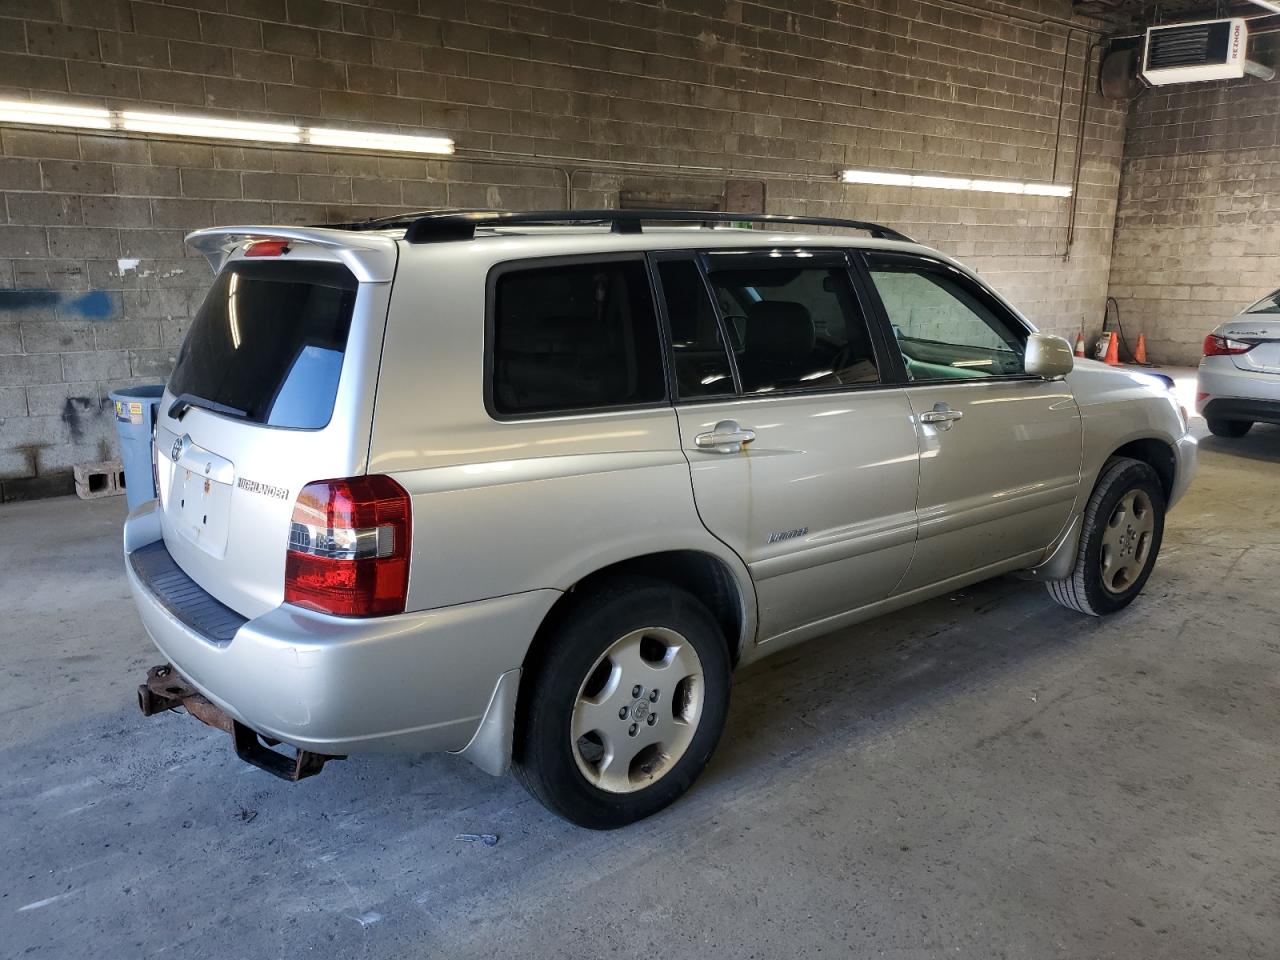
(528, 487)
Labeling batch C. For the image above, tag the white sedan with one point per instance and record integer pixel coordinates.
(1239, 382)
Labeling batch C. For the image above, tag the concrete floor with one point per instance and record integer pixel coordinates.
(986, 775)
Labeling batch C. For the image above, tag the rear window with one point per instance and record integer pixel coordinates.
(269, 341)
(573, 337)
(1269, 304)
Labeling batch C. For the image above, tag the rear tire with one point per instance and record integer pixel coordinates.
(1123, 527)
(1229, 428)
(621, 712)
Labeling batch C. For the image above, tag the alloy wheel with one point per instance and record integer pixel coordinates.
(637, 710)
(1126, 541)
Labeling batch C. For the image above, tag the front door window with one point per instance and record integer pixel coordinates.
(945, 325)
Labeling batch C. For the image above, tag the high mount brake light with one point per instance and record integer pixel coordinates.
(349, 547)
(267, 248)
(1219, 346)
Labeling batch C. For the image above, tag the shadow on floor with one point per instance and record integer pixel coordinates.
(1261, 443)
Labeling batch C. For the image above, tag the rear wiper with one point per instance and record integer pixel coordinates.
(185, 401)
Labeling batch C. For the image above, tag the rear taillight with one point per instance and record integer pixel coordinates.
(349, 547)
(1216, 346)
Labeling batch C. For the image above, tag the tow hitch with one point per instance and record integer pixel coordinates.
(167, 689)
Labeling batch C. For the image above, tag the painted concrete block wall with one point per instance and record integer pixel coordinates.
(665, 99)
(1198, 224)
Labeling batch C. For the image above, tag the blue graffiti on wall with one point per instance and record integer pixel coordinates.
(28, 299)
(94, 305)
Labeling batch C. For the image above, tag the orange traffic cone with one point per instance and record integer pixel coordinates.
(1113, 350)
(1080, 344)
(1140, 354)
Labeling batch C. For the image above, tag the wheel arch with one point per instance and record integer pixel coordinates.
(1156, 453)
(706, 576)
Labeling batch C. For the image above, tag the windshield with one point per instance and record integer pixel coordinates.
(269, 342)
(1268, 304)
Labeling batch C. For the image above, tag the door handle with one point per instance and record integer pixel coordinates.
(725, 437)
(941, 416)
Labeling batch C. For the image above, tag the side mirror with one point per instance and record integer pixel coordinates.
(1048, 356)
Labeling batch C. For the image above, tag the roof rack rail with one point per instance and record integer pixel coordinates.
(434, 226)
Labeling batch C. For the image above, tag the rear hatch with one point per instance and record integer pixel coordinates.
(273, 388)
(1259, 325)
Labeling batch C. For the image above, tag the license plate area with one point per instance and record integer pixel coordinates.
(199, 498)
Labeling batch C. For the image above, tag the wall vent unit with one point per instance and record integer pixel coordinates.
(1198, 52)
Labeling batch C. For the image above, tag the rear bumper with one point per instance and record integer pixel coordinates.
(332, 685)
(1226, 392)
(1239, 408)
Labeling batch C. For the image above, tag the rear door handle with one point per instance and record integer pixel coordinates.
(942, 416)
(725, 437)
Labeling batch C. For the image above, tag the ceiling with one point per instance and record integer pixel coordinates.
(1146, 12)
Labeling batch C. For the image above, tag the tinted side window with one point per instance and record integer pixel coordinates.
(699, 354)
(574, 337)
(795, 327)
(945, 325)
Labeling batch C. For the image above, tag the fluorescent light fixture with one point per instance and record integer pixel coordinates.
(1267, 5)
(54, 115)
(997, 186)
(362, 140)
(215, 128)
(942, 183)
(934, 182)
(1047, 190)
(874, 176)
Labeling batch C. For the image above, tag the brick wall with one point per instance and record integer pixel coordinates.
(1198, 225)
(670, 98)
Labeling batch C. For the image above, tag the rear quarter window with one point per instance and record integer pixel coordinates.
(571, 337)
(269, 341)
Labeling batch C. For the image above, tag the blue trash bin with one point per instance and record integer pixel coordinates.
(135, 409)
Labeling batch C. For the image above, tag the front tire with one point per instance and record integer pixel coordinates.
(1122, 530)
(1229, 428)
(624, 707)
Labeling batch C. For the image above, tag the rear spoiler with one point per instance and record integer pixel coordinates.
(371, 258)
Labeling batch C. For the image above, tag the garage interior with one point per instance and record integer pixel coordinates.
(981, 775)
